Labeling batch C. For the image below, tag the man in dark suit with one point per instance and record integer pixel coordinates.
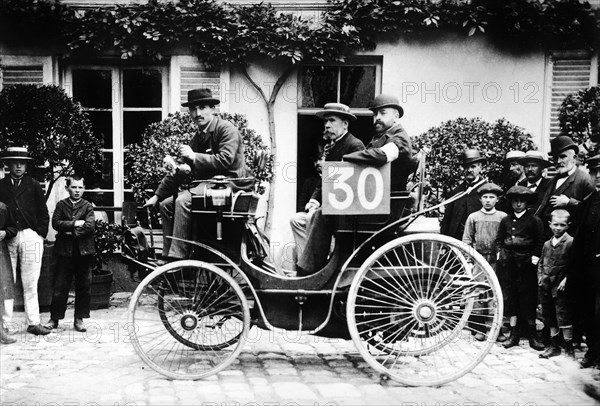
(337, 118)
(27, 206)
(217, 148)
(586, 267)
(455, 216)
(568, 188)
(390, 144)
(533, 165)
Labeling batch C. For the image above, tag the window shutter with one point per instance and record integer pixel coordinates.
(27, 74)
(570, 73)
(193, 77)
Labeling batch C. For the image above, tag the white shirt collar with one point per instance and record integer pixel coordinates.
(519, 215)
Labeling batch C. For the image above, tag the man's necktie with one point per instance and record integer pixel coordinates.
(327, 148)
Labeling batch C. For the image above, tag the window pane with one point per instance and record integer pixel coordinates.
(142, 88)
(102, 126)
(319, 85)
(135, 122)
(92, 88)
(357, 85)
(106, 179)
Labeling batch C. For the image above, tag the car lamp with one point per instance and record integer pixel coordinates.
(219, 194)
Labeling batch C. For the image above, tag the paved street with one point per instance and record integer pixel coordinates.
(101, 367)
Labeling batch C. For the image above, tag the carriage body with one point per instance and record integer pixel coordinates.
(410, 302)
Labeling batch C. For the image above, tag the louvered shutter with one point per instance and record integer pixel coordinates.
(193, 77)
(570, 73)
(27, 74)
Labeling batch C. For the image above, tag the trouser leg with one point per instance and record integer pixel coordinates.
(166, 216)
(83, 281)
(62, 284)
(31, 248)
(8, 304)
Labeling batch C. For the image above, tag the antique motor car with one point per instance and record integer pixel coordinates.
(410, 301)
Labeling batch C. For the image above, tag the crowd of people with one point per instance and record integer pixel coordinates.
(541, 235)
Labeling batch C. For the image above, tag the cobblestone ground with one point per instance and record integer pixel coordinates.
(101, 367)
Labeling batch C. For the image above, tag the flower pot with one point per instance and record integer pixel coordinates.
(101, 289)
(45, 283)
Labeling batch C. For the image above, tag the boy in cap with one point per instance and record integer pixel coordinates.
(520, 240)
(480, 233)
(552, 280)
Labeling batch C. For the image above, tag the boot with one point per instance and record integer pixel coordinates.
(533, 340)
(501, 338)
(569, 349)
(553, 349)
(513, 338)
(5, 338)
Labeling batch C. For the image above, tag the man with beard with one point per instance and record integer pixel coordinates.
(336, 118)
(390, 144)
(216, 149)
(534, 164)
(568, 188)
(457, 212)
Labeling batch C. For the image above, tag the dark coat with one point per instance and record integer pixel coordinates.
(29, 201)
(219, 151)
(402, 167)
(349, 143)
(586, 244)
(457, 212)
(68, 236)
(540, 191)
(554, 263)
(6, 271)
(576, 187)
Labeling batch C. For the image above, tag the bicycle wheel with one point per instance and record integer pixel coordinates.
(416, 304)
(188, 320)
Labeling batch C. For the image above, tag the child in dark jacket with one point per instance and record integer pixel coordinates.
(552, 281)
(520, 240)
(73, 219)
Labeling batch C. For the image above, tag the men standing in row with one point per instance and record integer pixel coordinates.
(568, 188)
(27, 205)
(455, 216)
(337, 118)
(217, 148)
(390, 144)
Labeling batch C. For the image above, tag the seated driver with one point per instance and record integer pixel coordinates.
(392, 144)
(215, 149)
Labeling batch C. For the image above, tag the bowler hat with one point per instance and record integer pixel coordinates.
(514, 155)
(562, 143)
(386, 100)
(16, 153)
(200, 96)
(470, 156)
(490, 188)
(593, 162)
(521, 191)
(535, 157)
(336, 109)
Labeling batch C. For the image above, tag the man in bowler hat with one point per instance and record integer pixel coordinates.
(336, 119)
(455, 216)
(216, 148)
(586, 267)
(568, 188)
(27, 206)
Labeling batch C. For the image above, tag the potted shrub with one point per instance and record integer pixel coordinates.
(108, 238)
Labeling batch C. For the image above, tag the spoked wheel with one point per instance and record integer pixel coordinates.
(188, 320)
(416, 304)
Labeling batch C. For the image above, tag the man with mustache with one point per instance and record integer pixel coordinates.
(339, 141)
(390, 144)
(533, 165)
(457, 212)
(217, 148)
(568, 188)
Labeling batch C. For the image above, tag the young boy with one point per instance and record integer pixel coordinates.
(480, 233)
(73, 219)
(552, 280)
(520, 240)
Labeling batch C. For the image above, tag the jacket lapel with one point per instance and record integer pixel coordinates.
(570, 179)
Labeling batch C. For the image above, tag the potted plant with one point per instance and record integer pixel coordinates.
(108, 238)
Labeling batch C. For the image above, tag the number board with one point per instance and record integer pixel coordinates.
(350, 189)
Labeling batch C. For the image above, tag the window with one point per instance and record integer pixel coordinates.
(121, 103)
(354, 84)
(29, 74)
